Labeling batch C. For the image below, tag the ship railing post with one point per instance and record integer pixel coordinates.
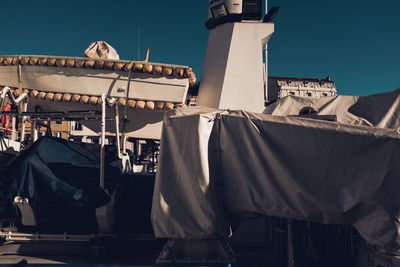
(23, 121)
(117, 138)
(34, 129)
(102, 138)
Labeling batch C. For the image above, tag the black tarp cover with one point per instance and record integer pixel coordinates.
(59, 173)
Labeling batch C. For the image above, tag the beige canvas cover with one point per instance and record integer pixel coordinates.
(381, 110)
(101, 49)
(213, 163)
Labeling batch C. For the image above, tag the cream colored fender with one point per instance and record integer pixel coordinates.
(28, 217)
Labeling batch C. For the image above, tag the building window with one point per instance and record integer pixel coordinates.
(291, 93)
(57, 122)
(78, 126)
(309, 94)
(57, 134)
(324, 94)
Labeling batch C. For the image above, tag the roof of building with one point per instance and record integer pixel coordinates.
(325, 80)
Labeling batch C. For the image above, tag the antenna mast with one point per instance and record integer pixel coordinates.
(138, 49)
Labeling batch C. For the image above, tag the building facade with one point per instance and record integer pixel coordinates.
(279, 87)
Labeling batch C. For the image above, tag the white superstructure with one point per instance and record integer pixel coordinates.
(234, 69)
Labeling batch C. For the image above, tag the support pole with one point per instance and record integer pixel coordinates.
(266, 61)
(290, 253)
(266, 100)
(23, 126)
(13, 128)
(34, 131)
(123, 138)
(117, 138)
(102, 138)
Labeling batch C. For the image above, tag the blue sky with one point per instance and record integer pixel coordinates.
(355, 42)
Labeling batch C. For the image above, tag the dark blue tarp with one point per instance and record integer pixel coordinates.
(57, 172)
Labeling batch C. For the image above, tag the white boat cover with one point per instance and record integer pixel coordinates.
(214, 163)
(382, 110)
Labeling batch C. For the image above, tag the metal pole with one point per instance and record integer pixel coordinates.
(102, 138)
(117, 130)
(23, 126)
(34, 130)
(266, 72)
(13, 128)
(290, 243)
(123, 138)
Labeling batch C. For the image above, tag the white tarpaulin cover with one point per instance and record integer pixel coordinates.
(382, 110)
(101, 49)
(213, 163)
